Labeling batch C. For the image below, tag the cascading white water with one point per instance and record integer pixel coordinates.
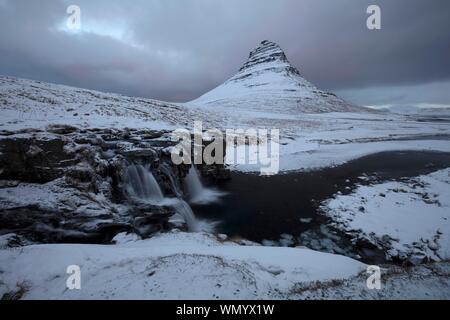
(141, 185)
(173, 181)
(185, 210)
(194, 185)
(198, 194)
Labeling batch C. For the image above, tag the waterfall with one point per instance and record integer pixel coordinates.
(183, 208)
(141, 185)
(198, 194)
(194, 185)
(173, 180)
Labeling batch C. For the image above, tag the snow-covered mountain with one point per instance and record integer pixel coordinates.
(268, 82)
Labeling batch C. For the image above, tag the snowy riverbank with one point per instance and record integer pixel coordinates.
(409, 219)
(180, 265)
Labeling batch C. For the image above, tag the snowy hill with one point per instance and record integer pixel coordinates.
(35, 104)
(268, 82)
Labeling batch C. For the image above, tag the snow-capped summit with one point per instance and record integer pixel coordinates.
(268, 82)
(268, 54)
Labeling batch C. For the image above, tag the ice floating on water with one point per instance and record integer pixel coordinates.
(198, 194)
(306, 220)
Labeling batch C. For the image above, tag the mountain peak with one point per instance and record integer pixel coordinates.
(266, 52)
(268, 82)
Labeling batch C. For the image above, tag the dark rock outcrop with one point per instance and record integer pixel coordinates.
(82, 172)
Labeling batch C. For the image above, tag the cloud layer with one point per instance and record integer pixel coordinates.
(177, 50)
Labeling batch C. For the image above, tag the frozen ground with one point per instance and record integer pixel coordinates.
(198, 266)
(430, 281)
(170, 266)
(406, 218)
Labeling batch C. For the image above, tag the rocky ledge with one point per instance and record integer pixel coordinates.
(68, 185)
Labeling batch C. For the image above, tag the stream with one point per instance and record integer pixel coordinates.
(284, 209)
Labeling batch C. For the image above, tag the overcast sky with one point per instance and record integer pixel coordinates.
(176, 50)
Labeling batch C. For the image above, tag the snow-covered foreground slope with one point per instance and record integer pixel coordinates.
(430, 281)
(170, 266)
(198, 266)
(407, 219)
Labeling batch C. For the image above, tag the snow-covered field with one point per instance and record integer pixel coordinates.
(407, 219)
(178, 265)
(170, 266)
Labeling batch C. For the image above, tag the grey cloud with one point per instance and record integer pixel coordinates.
(177, 50)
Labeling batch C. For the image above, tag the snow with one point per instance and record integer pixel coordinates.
(438, 111)
(408, 218)
(55, 195)
(35, 104)
(336, 154)
(174, 265)
(192, 266)
(424, 282)
(88, 210)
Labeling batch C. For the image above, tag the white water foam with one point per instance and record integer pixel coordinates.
(199, 194)
(142, 186)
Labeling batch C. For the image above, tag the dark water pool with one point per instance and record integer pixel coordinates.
(263, 208)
